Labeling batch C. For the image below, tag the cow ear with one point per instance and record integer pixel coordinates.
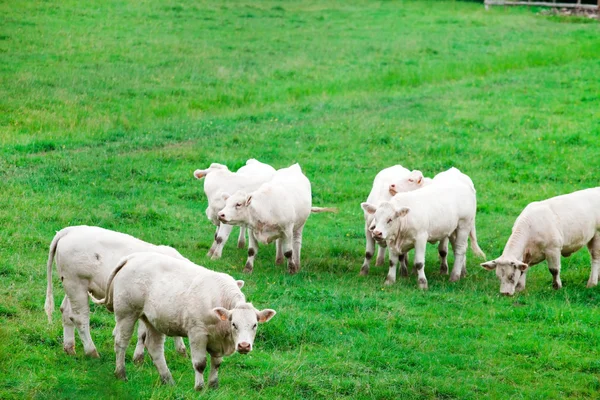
(490, 265)
(225, 196)
(222, 313)
(369, 208)
(402, 212)
(240, 283)
(200, 173)
(520, 265)
(265, 315)
(248, 199)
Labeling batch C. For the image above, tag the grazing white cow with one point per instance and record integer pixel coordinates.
(178, 298)
(443, 210)
(545, 230)
(388, 182)
(219, 179)
(277, 210)
(85, 257)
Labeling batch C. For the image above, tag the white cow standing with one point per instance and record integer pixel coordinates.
(219, 179)
(440, 212)
(545, 230)
(178, 298)
(387, 183)
(277, 210)
(85, 257)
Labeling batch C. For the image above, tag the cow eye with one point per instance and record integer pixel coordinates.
(254, 326)
(511, 277)
(238, 205)
(389, 221)
(234, 325)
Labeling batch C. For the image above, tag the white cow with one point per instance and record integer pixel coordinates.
(443, 210)
(388, 183)
(219, 179)
(85, 257)
(178, 298)
(278, 211)
(545, 230)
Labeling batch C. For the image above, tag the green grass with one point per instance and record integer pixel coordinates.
(107, 107)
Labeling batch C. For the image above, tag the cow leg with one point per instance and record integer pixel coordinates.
(138, 354)
(278, 252)
(420, 245)
(221, 239)
(198, 349)
(297, 246)
(122, 333)
(521, 284)
(180, 345)
(288, 251)
(391, 276)
(443, 252)
(460, 250)
(380, 254)
(68, 327)
(370, 250)
(403, 266)
(214, 244)
(242, 238)
(252, 250)
(594, 249)
(80, 314)
(213, 378)
(155, 342)
(553, 258)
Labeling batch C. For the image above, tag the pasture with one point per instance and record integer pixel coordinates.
(107, 107)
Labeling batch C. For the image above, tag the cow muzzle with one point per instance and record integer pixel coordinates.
(244, 347)
(222, 218)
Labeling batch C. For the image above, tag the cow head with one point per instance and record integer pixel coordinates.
(244, 320)
(386, 221)
(235, 211)
(412, 181)
(511, 273)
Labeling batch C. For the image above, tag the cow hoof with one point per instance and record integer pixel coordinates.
(379, 262)
(213, 384)
(293, 270)
(423, 284)
(454, 278)
(69, 349)
(182, 352)
(404, 272)
(444, 270)
(557, 285)
(241, 244)
(248, 268)
(591, 284)
(93, 354)
(279, 261)
(120, 374)
(215, 256)
(364, 270)
(167, 380)
(199, 388)
(389, 282)
(138, 358)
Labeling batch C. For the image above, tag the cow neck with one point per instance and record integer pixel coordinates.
(517, 242)
(397, 242)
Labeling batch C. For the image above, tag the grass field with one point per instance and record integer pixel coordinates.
(107, 107)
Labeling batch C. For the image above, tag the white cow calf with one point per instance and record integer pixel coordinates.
(219, 179)
(85, 257)
(178, 298)
(545, 230)
(442, 211)
(278, 211)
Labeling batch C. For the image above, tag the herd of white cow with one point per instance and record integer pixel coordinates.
(171, 296)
